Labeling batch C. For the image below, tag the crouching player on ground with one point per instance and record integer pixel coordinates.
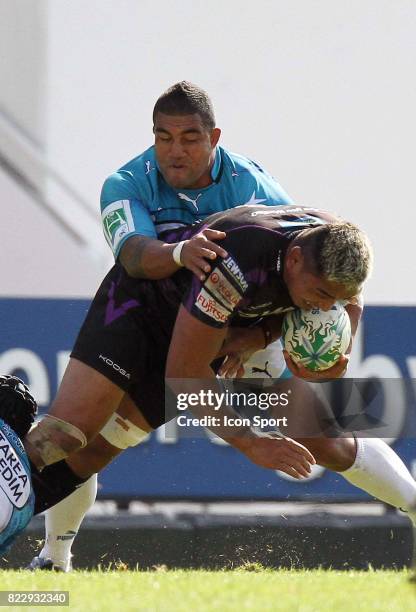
(17, 413)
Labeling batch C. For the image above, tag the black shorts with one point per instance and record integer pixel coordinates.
(126, 338)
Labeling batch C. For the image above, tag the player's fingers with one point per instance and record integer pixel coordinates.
(230, 366)
(206, 252)
(290, 471)
(201, 264)
(301, 463)
(224, 366)
(301, 470)
(336, 371)
(293, 367)
(215, 248)
(341, 365)
(197, 270)
(300, 450)
(291, 452)
(300, 371)
(191, 256)
(213, 234)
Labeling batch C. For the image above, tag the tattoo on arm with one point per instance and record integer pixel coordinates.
(131, 255)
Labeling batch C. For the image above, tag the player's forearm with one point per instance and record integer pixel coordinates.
(144, 257)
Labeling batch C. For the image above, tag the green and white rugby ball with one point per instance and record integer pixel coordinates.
(316, 338)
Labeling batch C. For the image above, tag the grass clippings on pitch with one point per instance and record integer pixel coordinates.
(250, 588)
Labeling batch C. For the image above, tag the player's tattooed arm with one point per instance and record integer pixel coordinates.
(145, 257)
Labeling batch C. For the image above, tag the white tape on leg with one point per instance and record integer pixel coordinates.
(122, 433)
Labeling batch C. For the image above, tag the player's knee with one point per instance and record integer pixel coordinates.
(52, 440)
(122, 433)
(336, 454)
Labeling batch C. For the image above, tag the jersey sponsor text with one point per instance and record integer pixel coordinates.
(210, 307)
(13, 476)
(222, 289)
(233, 267)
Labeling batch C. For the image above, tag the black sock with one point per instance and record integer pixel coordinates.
(52, 484)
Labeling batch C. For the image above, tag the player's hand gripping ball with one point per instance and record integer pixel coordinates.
(316, 338)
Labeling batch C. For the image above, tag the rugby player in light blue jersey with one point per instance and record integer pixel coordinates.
(17, 413)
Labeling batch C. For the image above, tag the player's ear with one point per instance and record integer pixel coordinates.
(294, 259)
(215, 136)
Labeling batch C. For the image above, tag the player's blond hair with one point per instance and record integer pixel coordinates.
(340, 252)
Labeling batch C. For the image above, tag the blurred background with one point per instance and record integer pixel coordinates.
(322, 93)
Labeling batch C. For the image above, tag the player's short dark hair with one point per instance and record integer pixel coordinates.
(185, 98)
(17, 406)
(339, 252)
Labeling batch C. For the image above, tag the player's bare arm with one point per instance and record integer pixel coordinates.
(145, 257)
(193, 347)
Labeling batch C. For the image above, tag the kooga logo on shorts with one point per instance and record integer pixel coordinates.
(115, 366)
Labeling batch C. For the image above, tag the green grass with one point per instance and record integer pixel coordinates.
(225, 591)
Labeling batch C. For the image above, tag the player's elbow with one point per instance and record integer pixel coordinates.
(132, 269)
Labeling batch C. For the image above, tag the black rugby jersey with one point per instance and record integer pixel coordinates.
(242, 288)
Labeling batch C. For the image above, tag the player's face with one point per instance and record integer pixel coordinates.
(307, 290)
(185, 150)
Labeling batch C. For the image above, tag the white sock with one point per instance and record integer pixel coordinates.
(63, 521)
(379, 470)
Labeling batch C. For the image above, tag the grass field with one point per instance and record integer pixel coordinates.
(241, 589)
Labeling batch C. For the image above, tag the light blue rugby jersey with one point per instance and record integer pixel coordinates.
(16, 485)
(136, 200)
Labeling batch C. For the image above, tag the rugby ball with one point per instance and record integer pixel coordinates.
(316, 338)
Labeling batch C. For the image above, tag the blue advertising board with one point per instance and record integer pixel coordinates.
(37, 336)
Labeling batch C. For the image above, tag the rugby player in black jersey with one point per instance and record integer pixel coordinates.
(139, 332)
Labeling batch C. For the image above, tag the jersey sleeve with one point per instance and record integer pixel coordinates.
(123, 214)
(123, 219)
(239, 281)
(214, 300)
